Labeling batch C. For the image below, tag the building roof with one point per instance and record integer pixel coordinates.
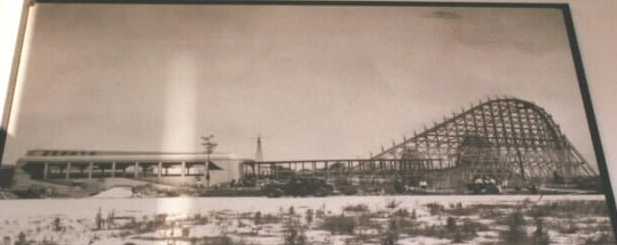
(119, 156)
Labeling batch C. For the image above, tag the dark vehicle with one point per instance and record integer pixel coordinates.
(298, 187)
(484, 185)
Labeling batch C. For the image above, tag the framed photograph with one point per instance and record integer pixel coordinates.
(301, 123)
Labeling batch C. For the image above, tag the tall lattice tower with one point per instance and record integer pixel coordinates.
(259, 155)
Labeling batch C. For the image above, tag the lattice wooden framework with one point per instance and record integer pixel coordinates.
(503, 138)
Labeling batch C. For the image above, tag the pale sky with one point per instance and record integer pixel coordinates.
(314, 81)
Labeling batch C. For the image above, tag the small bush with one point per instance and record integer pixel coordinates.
(564, 209)
(294, 234)
(604, 238)
(221, 240)
(459, 210)
(540, 236)
(339, 224)
(366, 221)
(516, 232)
(257, 218)
(21, 239)
(401, 213)
(260, 219)
(309, 216)
(451, 224)
(46, 242)
(57, 224)
(356, 208)
(391, 235)
(200, 220)
(566, 226)
(392, 204)
(435, 208)
(471, 227)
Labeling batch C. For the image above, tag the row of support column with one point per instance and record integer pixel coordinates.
(273, 169)
(136, 166)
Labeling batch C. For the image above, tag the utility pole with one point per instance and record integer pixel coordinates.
(209, 145)
(259, 155)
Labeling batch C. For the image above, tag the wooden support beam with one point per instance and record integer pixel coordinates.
(113, 169)
(45, 170)
(135, 169)
(90, 169)
(67, 174)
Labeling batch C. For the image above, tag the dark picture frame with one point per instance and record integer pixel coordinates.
(563, 7)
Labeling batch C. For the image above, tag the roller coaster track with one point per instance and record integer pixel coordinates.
(502, 137)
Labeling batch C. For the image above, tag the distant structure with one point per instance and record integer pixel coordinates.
(259, 155)
(507, 140)
(82, 164)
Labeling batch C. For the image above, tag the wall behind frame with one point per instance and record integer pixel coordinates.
(594, 21)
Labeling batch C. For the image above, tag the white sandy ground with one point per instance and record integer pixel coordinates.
(35, 217)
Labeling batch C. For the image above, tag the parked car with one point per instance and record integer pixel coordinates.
(484, 185)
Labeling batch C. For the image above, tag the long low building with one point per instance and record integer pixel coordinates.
(80, 164)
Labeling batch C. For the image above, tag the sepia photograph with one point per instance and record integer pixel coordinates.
(301, 123)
